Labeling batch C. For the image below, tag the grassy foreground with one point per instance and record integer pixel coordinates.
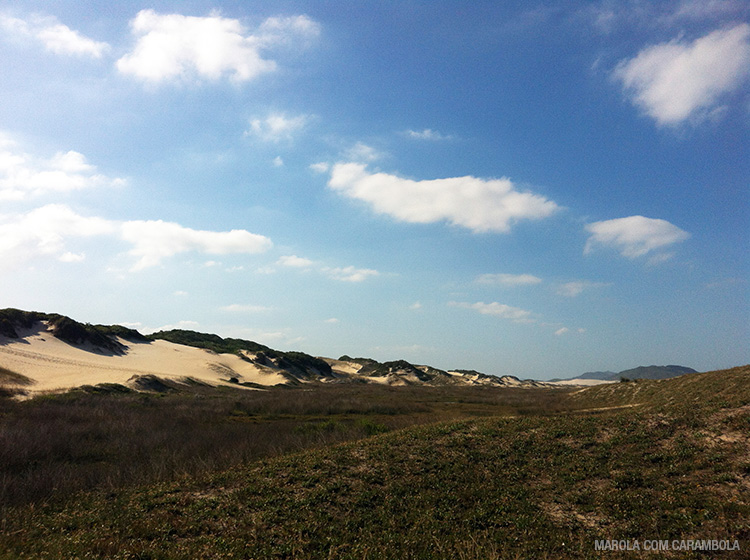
(673, 463)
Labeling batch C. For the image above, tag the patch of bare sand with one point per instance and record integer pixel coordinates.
(54, 365)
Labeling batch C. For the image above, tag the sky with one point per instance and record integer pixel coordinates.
(536, 189)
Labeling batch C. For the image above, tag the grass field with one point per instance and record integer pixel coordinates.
(378, 472)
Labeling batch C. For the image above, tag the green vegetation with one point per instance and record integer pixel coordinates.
(448, 472)
(297, 364)
(68, 330)
(208, 341)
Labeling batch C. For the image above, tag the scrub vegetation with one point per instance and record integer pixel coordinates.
(364, 471)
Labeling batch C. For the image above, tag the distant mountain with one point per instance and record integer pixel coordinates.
(641, 372)
(654, 372)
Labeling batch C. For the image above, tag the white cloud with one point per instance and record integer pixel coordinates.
(477, 204)
(633, 236)
(70, 257)
(277, 126)
(562, 331)
(174, 46)
(156, 240)
(496, 309)
(707, 9)
(23, 175)
(320, 167)
(244, 308)
(332, 321)
(509, 279)
(296, 30)
(415, 306)
(676, 81)
(278, 162)
(659, 258)
(43, 232)
(350, 273)
(427, 134)
(575, 288)
(294, 261)
(343, 274)
(55, 36)
(363, 153)
(179, 325)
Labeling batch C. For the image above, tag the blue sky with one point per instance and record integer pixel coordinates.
(535, 189)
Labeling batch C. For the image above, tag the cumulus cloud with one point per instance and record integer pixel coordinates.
(276, 127)
(575, 288)
(679, 80)
(480, 205)
(23, 175)
(45, 231)
(55, 36)
(509, 279)
(155, 240)
(562, 331)
(633, 236)
(174, 46)
(496, 309)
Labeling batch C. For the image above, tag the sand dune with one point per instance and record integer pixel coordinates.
(55, 365)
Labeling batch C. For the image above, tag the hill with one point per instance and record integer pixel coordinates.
(641, 372)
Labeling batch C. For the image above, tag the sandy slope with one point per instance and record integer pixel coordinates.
(54, 365)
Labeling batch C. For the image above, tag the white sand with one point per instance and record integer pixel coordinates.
(580, 382)
(54, 365)
(343, 367)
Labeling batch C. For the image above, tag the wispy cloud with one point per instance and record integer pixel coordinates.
(350, 273)
(277, 127)
(23, 175)
(427, 134)
(245, 308)
(56, 37)
(320, 167)
(575, 288)
(509, 279)
(363, 153)
(515, 314)
(340, 273)
(294, 261)
(634, 236)
(676, 81)
(480, 205)
(174, 46)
